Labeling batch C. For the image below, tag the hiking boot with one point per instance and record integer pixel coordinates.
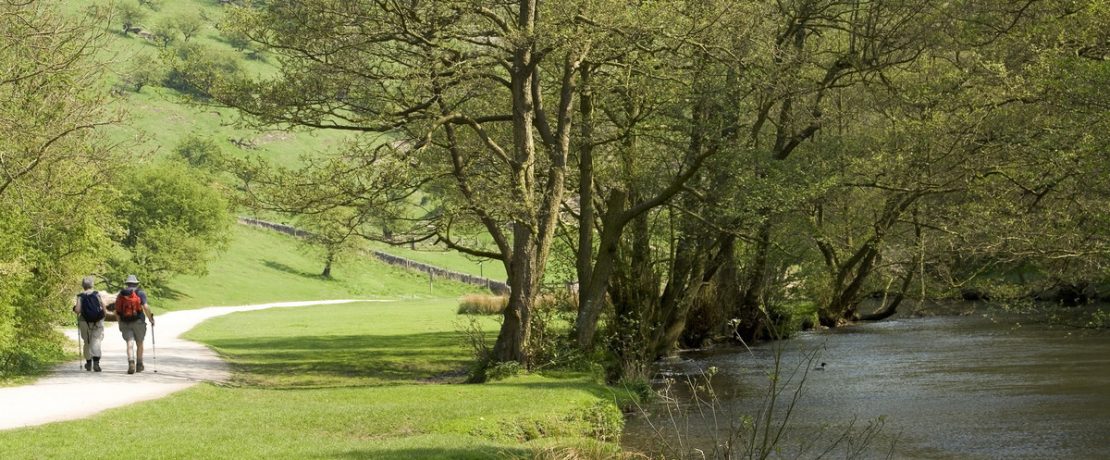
(139, 366)
(88, 364)
(130, 367)
(96, 367)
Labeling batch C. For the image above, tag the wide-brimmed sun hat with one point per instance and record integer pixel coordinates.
(131, 279)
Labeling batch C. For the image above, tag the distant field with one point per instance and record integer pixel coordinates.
(451, 260)
(157, 118)
(265, 266)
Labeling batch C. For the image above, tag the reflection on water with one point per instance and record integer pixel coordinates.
(949, 387)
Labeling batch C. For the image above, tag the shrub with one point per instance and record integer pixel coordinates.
(200, 152)
(195, 69)
(141, 76)
(154, 5)
(550, 346)
(503, 370)
(31, 355)
(129, 14)
(236, 39)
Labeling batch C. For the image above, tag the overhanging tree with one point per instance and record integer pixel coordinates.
(481, 96)
(55, 173)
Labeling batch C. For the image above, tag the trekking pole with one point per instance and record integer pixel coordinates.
(154, 344)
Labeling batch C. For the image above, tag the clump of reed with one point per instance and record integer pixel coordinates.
(482, 304)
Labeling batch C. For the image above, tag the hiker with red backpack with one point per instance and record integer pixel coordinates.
(133, 311)
(89, 307)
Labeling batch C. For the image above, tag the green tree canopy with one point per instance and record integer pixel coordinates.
(171, 221)
(55, 173)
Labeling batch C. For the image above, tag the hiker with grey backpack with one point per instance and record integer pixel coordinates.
(133, 312)
(89, 308)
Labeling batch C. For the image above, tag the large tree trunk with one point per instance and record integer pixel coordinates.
(327, 265)
(512, 340)
(635, 293)
(741, 291)
(583, 260)
(755, 278)
(687, 277)
(591, 294)
(534, 225)
(522, 264)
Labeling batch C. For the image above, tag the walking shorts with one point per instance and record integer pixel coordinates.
(133, 330)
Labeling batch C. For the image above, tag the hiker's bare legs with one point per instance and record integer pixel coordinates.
(131, 350)
(139, 351)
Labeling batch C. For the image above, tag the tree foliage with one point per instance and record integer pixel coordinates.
(54, 172)
(72, 202)
(129, 14)
(171, 221)
(711, 159)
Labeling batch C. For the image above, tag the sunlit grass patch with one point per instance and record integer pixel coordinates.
(265, 266)
(355, 384)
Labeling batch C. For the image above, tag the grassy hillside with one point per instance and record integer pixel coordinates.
(265, 266)
(451, 260)
(157, 119)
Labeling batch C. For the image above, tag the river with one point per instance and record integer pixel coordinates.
(980, 386)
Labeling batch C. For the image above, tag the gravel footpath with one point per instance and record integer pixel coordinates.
(64, 393)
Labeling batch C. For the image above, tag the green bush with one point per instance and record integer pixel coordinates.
(195, 68)
(550, 346)
(31, 357)
(200, 152)
(604, 420)
(503, 370)
(171, 220)
(601, 421)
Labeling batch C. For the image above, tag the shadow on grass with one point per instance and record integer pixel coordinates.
(168, 293)
(477, 453)
(343, 360)
(293, 271)
(598, 391)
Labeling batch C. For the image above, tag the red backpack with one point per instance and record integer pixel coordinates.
(128, 305)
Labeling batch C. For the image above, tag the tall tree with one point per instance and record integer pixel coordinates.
(645, 113)
(463, 86)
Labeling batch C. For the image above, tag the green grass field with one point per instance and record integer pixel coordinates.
(266, 266)
(342, 381)
(277, 348)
